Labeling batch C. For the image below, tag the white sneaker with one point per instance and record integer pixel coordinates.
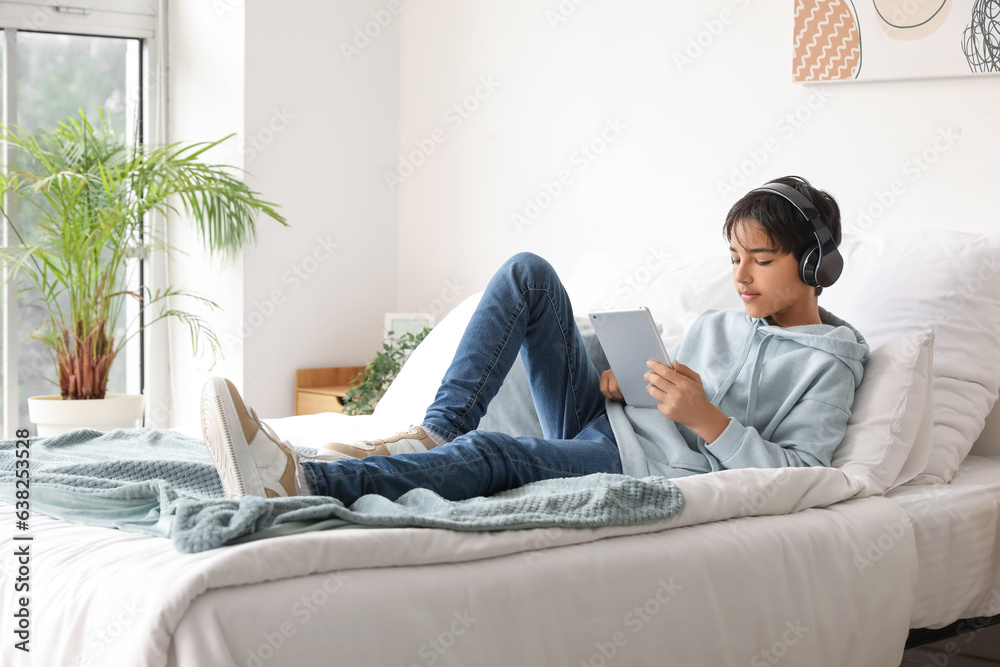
(412, 440)
(250, 457)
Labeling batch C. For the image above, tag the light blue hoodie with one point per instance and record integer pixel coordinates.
(787, 391)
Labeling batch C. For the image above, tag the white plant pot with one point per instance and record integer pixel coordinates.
(52, 415)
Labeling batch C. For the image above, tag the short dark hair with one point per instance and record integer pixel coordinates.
(781, 221)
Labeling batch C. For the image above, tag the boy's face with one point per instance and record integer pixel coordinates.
(768, 280)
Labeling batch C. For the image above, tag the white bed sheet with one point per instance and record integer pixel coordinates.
(796, 582)
(955, 530)
(746, 591)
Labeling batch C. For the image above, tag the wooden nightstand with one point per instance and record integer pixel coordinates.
(323, 389)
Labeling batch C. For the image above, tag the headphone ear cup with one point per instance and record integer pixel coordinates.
(809, 265)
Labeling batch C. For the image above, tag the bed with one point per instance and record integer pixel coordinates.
(814, 566)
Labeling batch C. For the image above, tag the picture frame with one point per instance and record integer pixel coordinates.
(403, 323)
(872, 40)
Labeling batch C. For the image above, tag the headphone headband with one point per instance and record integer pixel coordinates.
(821, 263)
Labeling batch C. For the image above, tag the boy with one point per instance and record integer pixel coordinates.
(774, 383)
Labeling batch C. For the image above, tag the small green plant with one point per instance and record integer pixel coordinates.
(379, 374)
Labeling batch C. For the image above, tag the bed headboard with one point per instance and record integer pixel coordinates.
(988, 443)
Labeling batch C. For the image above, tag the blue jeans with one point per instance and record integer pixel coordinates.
(524, 308)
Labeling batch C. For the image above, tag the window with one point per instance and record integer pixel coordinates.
(57, 62)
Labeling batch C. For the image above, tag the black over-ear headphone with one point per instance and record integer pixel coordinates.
(821, 263)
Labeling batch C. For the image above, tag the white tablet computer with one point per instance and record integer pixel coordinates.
(630, 338)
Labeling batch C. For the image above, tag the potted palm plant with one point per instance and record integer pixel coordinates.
(90, 194)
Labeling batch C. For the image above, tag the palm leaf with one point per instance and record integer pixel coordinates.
(90, 193)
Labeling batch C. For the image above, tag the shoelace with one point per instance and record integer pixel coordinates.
(268, 430)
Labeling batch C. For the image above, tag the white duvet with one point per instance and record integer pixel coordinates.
(762, 567)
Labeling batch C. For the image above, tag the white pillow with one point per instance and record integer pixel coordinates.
(888, 435)
(923, 414)
(988, 443)
(406, 400)
(945, 281)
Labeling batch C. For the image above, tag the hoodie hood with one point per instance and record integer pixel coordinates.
(835, 336)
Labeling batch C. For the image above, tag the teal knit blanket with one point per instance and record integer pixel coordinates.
(163, 483)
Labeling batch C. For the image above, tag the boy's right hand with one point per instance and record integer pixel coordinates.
(609, 386)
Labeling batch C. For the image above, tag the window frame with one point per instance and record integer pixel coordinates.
(145, 21)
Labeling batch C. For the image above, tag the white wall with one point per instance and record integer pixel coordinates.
(330, 126)
(688, 128)
(324, 123)
(315, 126)
(205, 103)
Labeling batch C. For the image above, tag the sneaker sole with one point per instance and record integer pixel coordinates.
(220, 428)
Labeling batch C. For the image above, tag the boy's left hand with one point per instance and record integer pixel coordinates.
(682, 398)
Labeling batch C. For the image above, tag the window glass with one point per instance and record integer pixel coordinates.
(58, 76)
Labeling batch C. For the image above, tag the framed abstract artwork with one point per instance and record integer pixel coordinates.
(867, 40)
